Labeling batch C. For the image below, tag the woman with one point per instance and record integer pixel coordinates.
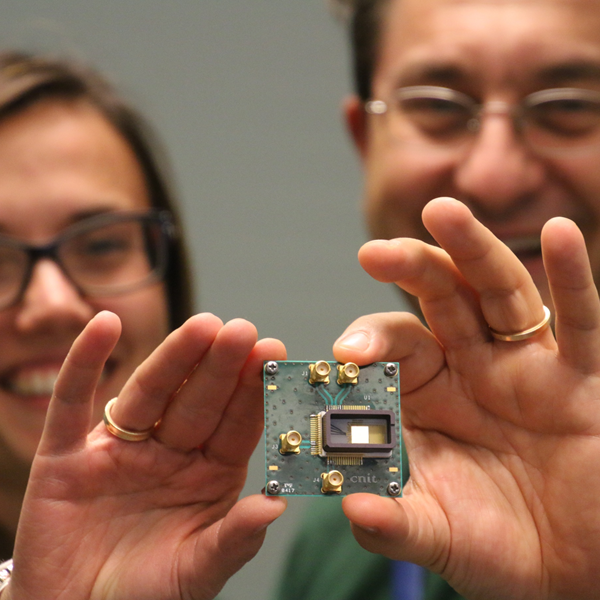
(87, 226)
(63, 131)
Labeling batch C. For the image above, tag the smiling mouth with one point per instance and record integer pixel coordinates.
(32, 382)
(35, 383)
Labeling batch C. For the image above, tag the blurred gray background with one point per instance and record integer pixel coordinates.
(246, 97)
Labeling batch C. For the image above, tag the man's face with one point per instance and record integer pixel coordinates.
(491, 50)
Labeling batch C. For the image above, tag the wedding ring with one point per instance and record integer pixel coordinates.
(519, 336)
(123, 434)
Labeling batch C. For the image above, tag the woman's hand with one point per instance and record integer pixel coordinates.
(503, 437)
(105, 518)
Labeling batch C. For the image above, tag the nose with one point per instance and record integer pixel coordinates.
(498, 173)
(51, 301)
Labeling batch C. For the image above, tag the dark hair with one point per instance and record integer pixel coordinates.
(365, 21)
(26, 79)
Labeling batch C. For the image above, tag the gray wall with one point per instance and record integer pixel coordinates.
(246, 96)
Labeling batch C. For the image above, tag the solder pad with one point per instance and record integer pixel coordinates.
(328, 432)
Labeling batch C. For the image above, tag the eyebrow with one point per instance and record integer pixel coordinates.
(450, 74)
(569, 72)
(440, 73)
(86, 214)
(74, 218)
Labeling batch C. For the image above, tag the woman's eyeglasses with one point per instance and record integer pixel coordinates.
(104, 255)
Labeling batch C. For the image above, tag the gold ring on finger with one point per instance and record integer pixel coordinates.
(519, 336)
(123, 434)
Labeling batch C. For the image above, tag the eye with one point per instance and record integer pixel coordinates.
(568, 117)
(101, 245)
(437, 117)
(106, 248)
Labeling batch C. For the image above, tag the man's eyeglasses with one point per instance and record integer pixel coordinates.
(548, 120)
(103, 255)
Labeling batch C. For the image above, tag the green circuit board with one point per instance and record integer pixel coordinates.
(332, 429)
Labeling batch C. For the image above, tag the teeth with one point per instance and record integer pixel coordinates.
(39, 383)
(36, 383)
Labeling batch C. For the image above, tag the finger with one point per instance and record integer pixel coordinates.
(197, 408)
(400, 337)
(397, 337)
(69, 415)
(149, 390)
(425, 528)
(229, 544)
(574, 294)
(449, 304)
(242, 424)
(509, 299)
(397, 528)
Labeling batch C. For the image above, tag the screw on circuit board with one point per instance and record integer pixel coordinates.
(390, 369)
(274, 488)
(271, 367)
(393, 488)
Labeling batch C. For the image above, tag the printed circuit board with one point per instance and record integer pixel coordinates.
(332, 429)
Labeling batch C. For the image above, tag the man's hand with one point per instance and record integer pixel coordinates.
(503, 437)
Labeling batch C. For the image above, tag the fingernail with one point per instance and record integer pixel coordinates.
(354, 341)
(370, 530)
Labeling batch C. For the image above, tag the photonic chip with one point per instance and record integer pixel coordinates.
(370, 433)
(332, 429)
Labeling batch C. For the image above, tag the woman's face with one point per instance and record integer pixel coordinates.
(61, 162)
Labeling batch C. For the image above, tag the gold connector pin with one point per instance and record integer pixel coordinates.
(332, 482)
(348, 373)
(319, 372)
(290, 442)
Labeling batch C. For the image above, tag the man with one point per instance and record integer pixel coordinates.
(496, 103)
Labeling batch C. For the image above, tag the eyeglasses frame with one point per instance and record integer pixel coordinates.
(515, 111)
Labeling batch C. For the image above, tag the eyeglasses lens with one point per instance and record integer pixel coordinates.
(13, 266)
(115, 257)
(564, 123)
(557, 118)
(440, 120)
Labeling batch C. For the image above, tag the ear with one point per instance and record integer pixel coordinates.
(356, 122)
